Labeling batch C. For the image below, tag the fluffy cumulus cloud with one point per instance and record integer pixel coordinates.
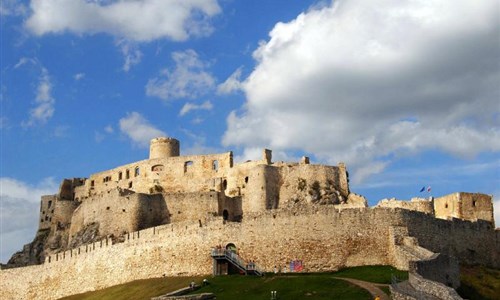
(138, 129)
(207, 105)
(189, 79)
(137, 20)
(364, 81)
(19, 203)
(44, 101)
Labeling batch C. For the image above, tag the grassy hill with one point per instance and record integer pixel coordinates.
(289, 286)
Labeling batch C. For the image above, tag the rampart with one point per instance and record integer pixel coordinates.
(322, 236)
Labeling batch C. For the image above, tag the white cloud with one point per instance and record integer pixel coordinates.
(207, 105)
(79, 76)
(19, 212)
(131, 54)
(138, 129)
(188, 80)
(364, 82)
(232, 84)
(109, 129)
(136, 20)
(12, 8)
(44, 109)
(25, 60)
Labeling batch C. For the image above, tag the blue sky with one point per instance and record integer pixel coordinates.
(407, 94)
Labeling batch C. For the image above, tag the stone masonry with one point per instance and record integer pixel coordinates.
(162, 216)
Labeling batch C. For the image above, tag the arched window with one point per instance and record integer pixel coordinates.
(137, 171)
(127, 174)
(120, 175)
(157, 168)
(215, 165)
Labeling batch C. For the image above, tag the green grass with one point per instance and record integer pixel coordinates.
(289, 286)
(138, 289)
(477, 283)
(376, 274)
(318, 286)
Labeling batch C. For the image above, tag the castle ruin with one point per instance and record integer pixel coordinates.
(162, 215)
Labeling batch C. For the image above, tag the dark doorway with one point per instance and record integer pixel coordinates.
(225, 215)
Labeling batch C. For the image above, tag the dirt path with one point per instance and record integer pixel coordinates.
(369, 286)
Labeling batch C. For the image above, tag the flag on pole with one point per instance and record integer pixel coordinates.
(422, 189)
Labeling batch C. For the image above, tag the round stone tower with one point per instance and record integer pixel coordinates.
(163, 147)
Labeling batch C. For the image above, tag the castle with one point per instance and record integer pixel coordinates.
(169, 210)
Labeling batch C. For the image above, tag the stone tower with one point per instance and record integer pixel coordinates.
(163, 147)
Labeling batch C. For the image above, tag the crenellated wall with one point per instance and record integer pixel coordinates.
(323, 237)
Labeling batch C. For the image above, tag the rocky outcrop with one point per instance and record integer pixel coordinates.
(32, 253)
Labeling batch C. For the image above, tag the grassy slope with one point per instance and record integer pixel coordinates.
(138, 290)
(318, 286)
(479, 283)
(291, 286)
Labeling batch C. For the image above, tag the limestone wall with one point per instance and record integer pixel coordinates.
(173, 174)
(117, 213)
(324, 239)
(468, 206)
(192, 206)
(472, 242)
(47, 205)
(421, 205)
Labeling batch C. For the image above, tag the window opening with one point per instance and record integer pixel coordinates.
(137, 172)
(224, 184)
(157, 168)
(127, 174)
(474, 203)
(246, 179)
(50, 204)
(225, 215)
(187, 165)
(130, 185)
(215, 165)
(120, 175)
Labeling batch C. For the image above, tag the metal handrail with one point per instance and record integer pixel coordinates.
(237, 260)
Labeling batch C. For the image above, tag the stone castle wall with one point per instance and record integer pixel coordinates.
(117, 212)
(192, 206)
(420, 205)
(469, 206)
(322, 236)
(47, 206)
(472, 242)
